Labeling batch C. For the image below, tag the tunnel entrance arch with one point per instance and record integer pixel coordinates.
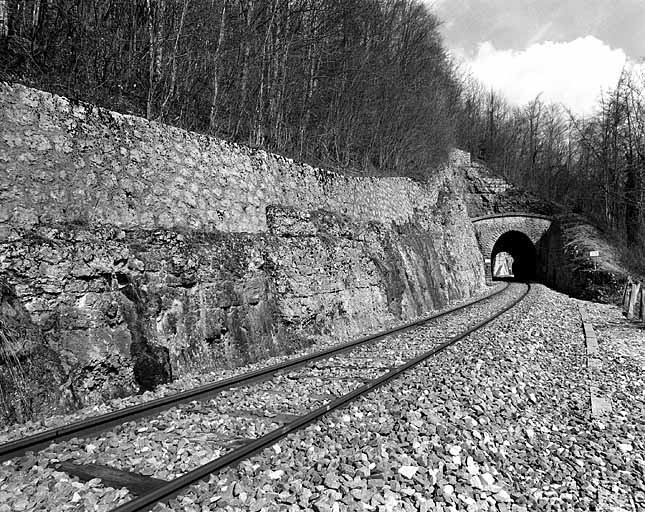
(493, 228)
(514, 256)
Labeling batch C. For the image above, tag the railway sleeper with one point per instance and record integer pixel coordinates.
(136, 483)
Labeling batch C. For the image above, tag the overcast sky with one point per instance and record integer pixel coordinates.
(568, 50)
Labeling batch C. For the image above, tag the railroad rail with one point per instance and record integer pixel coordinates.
(346, 361)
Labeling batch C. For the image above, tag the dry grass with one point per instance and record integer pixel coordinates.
(14, 396)
(615, 256)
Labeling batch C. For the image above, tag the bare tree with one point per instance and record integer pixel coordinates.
(4, 19)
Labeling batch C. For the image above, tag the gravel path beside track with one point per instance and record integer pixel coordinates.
(621, 378)
(501, 421)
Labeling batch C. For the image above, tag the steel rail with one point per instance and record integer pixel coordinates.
(103, 422)
(174, 487)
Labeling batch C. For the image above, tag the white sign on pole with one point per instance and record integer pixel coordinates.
(594, 254)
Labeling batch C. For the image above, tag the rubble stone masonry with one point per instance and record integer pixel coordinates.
(78, 163)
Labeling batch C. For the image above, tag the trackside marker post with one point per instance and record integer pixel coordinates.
(594, 255)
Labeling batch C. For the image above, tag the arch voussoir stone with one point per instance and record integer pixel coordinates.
(491, 227)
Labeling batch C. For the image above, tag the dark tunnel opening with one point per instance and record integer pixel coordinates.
(514, 257)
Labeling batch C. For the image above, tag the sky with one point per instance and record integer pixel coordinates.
(567, 51)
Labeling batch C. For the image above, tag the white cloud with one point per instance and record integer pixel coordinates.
(572, 73)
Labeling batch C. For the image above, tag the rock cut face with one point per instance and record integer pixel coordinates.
(125, 311)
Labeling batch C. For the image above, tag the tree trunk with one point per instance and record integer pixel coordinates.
(173, 73)
(155, 13)
(4, 19)
(151, 57)
(257, 134)
(212, 119)
(632, 185)
(246, 55)
(308, 93)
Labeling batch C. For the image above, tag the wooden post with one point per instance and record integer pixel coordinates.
(632, 300)
(626, 294)
(637, 301)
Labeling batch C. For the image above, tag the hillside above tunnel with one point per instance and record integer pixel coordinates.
(487, 193)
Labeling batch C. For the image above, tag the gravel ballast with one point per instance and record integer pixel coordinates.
(501, 421)
(164, 446)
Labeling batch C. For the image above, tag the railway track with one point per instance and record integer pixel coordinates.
(229, 420)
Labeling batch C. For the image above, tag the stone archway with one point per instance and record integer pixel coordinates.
(527, 232)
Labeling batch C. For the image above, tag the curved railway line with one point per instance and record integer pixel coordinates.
(266, 404)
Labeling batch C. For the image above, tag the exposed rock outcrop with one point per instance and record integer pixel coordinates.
(486, 193)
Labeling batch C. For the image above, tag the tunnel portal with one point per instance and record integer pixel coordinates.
(514, 257)
(515, 243)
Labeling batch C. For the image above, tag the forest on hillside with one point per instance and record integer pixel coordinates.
(592, 165)
(361, 84)
(364, 86)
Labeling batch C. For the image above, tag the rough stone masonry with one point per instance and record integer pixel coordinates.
(132, 252)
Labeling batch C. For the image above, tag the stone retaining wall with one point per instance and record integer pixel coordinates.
(78, 163)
